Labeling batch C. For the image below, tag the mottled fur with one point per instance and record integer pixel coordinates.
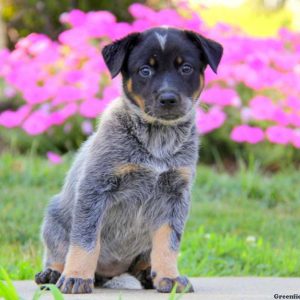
(129, 181)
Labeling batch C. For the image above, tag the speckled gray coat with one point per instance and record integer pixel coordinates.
(123, 209)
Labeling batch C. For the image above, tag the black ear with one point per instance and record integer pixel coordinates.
(212, 51)
(114, 54)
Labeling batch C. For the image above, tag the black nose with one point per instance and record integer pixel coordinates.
(168, 99)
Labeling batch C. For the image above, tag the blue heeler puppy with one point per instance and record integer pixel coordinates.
(126, 198)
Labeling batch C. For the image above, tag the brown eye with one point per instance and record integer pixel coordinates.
(186, 69)
(145, 71)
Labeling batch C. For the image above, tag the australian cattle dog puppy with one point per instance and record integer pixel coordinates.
(126, 198)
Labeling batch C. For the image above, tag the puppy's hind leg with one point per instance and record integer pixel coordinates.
(141, 269)
(56, 242)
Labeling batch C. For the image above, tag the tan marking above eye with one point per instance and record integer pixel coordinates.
(152, 61)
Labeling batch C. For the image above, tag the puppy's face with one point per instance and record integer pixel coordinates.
(162, 69)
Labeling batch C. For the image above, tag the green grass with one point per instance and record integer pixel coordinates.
(9, 292)
(242, 224)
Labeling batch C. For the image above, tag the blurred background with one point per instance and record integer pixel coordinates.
(54, 86)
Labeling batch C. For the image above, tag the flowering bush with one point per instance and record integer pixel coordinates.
(256, 94)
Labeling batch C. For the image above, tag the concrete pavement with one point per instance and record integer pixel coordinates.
(222, 288)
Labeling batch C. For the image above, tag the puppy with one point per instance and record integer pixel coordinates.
(126, 198)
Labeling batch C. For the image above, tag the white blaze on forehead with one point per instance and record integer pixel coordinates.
(162, 38)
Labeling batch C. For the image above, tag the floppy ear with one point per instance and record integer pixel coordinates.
(212, 51)
(115, 53)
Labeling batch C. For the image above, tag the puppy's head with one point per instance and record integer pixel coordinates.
(162, 69)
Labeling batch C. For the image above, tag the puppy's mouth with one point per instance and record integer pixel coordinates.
(169, 116)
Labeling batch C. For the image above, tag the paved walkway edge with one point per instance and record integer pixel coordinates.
(221, 288)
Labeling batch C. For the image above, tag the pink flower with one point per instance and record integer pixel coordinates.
(248, 134)
(262, 108)
(66, 77)
(293, 102)
(294, 118)
(210, 121)
(76, 37)
(74, 76)
(120, 30)
(112, 92)
(12, 119)
(4, 55)
(99, 23)
(75, 18)
(280, 117)
(66, 93)
(279, 135)
(34, 43)
(36, 123)
(140, 11)
(296, 138)
(34, 94)
(220, 96)
(54, 158)
(60, 116)
(92, 108)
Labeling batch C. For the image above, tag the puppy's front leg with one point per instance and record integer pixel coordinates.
(164, 263)
(78, 275)
(174, 185)
(84, 249)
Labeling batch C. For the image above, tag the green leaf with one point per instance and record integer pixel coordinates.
(7, 289)
(56, 293)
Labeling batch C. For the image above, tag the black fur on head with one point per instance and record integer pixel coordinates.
(212, 51)
(115, 54)
(163, 69)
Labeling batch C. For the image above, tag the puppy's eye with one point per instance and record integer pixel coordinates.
(145, 71)
(186, 69)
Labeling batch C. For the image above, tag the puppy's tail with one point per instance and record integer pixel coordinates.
(124, 281)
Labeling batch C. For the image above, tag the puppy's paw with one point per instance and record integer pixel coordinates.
(47, 276)
(165, 285)
(71, 285)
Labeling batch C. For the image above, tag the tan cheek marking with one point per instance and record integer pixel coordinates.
(126, 169)
(139, 101)
(129, 86)
(163, 258)
(57, 267)
(81, 263)
(201, 82)
(152, 61)
(198, 92)
(179, 60)
(185, 173)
